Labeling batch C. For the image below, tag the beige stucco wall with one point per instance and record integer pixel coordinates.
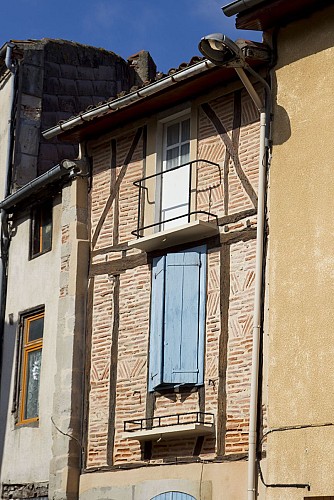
(27, 449)
(225, 481)
(301, 261)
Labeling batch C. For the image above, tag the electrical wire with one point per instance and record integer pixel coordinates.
(65, 433)
(282, 429)
(295, 427)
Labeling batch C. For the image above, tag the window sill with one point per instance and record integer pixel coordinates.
(183, 430)
(187, 233)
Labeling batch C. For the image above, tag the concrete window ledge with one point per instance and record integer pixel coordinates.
(187, 233)
(183, 430)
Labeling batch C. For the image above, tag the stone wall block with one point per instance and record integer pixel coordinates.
(68, 71)
(32, 80)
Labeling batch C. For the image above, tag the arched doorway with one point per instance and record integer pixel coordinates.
(173, 495)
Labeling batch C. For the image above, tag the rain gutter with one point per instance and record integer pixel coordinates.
(239, 6)
(130, 98)
(66, 168)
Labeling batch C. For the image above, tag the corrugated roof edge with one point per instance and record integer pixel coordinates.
(162, 82)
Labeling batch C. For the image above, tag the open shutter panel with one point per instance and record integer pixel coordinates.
(184, 300)
(156, 329)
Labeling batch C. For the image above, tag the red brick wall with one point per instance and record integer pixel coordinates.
(134, 298)
(239, 352)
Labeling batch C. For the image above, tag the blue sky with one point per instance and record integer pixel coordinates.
(170, 30)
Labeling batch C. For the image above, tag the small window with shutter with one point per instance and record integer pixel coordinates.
(178, 319)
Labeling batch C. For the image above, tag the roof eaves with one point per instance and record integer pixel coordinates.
(262, 15)
(240, 6)
(65, 170)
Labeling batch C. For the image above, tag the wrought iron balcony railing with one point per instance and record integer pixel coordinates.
(192, 193)
(195, 417)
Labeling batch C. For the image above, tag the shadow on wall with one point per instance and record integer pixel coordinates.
(281, 120)
(7, 366)
(282, 132)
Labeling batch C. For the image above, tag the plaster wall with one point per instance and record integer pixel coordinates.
(26, 449)
(204, 481)
(301, 262)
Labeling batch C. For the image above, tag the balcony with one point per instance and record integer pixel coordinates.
(170, 426)
(169, 211)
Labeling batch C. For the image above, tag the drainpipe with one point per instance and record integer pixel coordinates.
(257, 312)
(265, 117)
(4, 219)
(264, 108)
(12, 68)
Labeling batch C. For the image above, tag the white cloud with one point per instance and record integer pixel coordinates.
(209, 9)
(102, 15)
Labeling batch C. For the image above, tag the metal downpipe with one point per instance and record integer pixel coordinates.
(265, 116)
(251, 482)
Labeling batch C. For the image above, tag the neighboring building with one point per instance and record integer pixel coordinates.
(298, 379)
(172, 217)
(44, 229)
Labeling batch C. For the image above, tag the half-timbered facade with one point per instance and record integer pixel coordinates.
(173, 210)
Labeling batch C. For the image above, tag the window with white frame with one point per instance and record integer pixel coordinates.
(174, 183)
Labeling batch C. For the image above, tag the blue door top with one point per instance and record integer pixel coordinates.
(173, 495)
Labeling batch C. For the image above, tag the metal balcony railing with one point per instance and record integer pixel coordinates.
(141, 184)
(195, 417)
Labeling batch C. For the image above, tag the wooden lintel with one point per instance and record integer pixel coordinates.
(118, 266)
(232, 218)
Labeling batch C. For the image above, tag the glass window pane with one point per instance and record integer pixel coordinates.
(42, 229)
(46, 231)
(35, 326)
(32, 384)
(173, 134)
(37, 234)
(185, 149)
(185, 130)
(172, 158)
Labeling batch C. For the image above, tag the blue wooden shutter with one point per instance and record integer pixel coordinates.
(156, 329)
(185, 291)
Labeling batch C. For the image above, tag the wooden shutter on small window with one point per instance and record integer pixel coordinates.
(184, 317)
(157, 316)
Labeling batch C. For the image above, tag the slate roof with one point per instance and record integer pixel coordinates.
(58, 79)
(140, 85)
